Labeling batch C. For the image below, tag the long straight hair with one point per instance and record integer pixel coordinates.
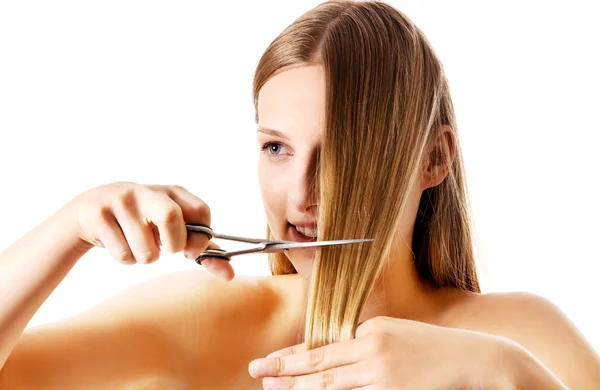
(386, 98)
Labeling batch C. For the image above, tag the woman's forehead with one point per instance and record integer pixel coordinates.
(293, 100)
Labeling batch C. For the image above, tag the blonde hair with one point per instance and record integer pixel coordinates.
(386, 99)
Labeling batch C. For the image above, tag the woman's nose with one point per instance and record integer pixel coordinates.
(303, 188)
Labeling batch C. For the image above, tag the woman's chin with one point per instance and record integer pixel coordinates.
(303, 261)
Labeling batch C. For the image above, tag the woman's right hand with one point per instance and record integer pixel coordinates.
(133, 221)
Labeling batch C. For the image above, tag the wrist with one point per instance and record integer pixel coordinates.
(66, 220)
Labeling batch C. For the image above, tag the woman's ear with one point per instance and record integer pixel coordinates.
(438, 158)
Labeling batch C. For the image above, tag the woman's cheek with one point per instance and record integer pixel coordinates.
(273, 184)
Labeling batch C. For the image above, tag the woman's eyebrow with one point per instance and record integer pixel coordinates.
(272, 132)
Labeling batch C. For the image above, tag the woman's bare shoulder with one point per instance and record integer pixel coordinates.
(239, 320)
(224, 325)
(207, 312)
(498, 312)
(531, 321)
(187, 326)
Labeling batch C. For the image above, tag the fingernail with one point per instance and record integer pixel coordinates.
(271, 383)
(257, 367)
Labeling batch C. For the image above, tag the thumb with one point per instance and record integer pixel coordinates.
(218, 267)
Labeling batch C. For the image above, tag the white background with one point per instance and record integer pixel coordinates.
(160, 92)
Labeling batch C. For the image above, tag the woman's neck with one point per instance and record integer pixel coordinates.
(400, 292)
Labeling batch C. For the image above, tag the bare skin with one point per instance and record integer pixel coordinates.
(192, 330)
(207, 339)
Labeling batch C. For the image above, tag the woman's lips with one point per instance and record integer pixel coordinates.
(297, 236)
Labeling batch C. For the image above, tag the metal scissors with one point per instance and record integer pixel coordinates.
(262, 245)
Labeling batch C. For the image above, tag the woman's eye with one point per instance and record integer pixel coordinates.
(275, 149)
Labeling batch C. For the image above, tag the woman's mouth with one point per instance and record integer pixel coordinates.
(303, 233)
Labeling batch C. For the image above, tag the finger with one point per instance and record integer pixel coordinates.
(139, 235)
(162, 211)
(314, 360)
(218, 267)
(112, 238)
(156, 234)
(194, 211)
(339, 378)
(195, 245)
(289, 351)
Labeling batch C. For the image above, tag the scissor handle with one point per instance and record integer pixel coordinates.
(213, 253)
(201, 229)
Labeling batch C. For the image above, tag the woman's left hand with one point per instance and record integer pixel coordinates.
(387, 353)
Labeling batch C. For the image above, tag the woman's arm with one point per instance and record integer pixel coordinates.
(115, 344)
(30, 270)
(133, 334)
(390, 351)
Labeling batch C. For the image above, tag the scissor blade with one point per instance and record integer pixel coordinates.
(310, 244)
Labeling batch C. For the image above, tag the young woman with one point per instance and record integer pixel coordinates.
(358, 140)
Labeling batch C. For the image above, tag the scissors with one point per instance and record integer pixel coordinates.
(262, 245)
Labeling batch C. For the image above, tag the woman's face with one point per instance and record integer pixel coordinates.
(291, 116)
